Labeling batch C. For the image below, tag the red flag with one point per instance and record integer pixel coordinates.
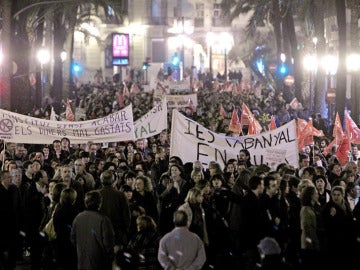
(134, 89)
(121, 100)
(191, 105)
(305, 135)
(338, 132)
(222, 112)
(235, 125)
(248, 117)
(68, 113)
(244, 120)
(272, 125)
(342, 152)
(328, 148)
(126, 91)
(301, 124)
(351, 129)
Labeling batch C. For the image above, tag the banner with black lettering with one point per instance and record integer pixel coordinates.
(18, 128)
(153, 122)
(191, 141)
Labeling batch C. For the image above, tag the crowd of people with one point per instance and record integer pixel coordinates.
(130, 205)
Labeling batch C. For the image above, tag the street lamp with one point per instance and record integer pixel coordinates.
(227, 43)
(182, 28)
(310, 64)
(210, 39)
(43, 56)
(63, 56)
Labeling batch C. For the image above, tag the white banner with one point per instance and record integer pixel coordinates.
(19, 128)
(153, 122)
(191, 141)
(179, 101)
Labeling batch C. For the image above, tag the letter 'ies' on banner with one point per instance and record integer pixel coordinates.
(191, 141)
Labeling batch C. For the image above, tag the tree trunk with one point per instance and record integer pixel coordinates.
(294, 53)
(59, 40)
(341, 72)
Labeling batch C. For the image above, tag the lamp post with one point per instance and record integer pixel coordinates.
(43, 56)
(310, 64)
(330, 63)
(227, 43)
(210, 39)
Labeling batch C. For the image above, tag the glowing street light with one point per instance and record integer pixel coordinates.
(310, 64)
(63, 56)
(43, 56)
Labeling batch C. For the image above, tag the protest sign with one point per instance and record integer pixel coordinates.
(153, 122)
(191, 141)
(179, 101)
(18, 128)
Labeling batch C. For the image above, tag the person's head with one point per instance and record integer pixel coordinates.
(68, 196)
(145, 223)
(41, 178)
(12, 165)
(180, 218)
(93, 200)
(271, 186)
(351, 166)
(256, 184)
(65, 144)
(309, 196)
(107, 178)
(57, 145)
(142, 184)
(241, 165)
(194, 196)
(244, 155)
(352, 190)
(56, 191)
(5, 178)
(304, 183)
(293, 183)
(320, 183)
(28, 167)
(175, 171)
(128, 191)
(337, 194)
(308, 173)
(304, 160)
(196, 175)
(335, 169)
(217, 180)
(36, 166)
(140, 144)
(16, 177)
(79, 166)
(214, 168)
(269, 246)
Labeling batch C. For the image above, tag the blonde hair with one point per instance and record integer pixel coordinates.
(192, 195)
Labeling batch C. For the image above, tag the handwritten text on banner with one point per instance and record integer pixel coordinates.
(18, 128)
(191, 141)
(153, 122)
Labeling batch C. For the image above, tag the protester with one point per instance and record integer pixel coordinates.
(181, 249)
